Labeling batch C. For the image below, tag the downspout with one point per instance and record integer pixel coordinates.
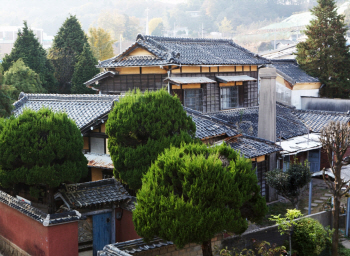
(168, 81)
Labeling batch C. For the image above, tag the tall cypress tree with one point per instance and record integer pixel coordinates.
(325, 54)
(28, 48)
(68, 44)
(84, 70)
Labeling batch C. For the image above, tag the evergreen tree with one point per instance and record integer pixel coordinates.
(23, 79)
(83, 71)
(34, 56)
(41, 148)
(141, 126)
(67, 45)
(192, 193)
(325, 54)
(101, 43)
(5, 102)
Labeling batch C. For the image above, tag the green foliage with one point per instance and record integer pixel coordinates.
(324, 54)
(84, 70)
(263, 248)
(159, 30)
(33, 55)
(140, 127)
(310, 238)
(194, 192)
(285, 224)
(70, 36)
(23, 79)
(41, 148)
(67, 45)
(5, 101)
(290, 183)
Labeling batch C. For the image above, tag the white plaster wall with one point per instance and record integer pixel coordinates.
(296, 96)
(283, 94)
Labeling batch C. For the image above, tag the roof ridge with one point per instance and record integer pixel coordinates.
(188, 39)
(323, 112)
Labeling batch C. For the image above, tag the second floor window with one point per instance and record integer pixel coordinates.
(193, 99)
(229, 97)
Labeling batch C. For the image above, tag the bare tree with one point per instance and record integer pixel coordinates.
(335, 139)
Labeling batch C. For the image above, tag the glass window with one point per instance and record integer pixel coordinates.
(97, 145)
(193, 99)
(229, 97)
(286, 161)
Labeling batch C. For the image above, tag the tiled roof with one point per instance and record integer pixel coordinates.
(185, 51)
(133, 246)
(129, 204)
(252, 147)
(94, 193)
(36, 214)
(290, 70)
(315, 119)
(245, 120)
(209, 127)
(84, 109)
(100, 76)
(103, 161)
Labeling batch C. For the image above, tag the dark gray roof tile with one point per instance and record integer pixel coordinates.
(93, 193)
(185, 51)
(290, 70)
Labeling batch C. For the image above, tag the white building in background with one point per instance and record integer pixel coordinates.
(8, 36)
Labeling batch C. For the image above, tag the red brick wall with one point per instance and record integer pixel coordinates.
(125, 229)
(31, 236)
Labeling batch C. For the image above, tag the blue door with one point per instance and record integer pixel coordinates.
(101, 231)
(314, 160)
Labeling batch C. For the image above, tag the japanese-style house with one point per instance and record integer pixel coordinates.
(292, 83)
(207, 74)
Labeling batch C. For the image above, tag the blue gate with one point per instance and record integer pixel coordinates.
(101, 231)
(314, 160)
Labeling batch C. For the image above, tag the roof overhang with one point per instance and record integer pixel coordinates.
(99, 77)
(300, 144)
(228, 79)
(190, 80)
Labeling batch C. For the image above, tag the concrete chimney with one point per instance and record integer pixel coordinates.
(267, 106)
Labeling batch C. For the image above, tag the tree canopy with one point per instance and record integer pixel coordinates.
(141, 126)
(290, 183)
(325, 54)
(101, 43)
(194, 192)
(84, 70)
(28, 48)
(23, 79)
(153, 24)
(41, 148)
(67, 45)
(5, 101)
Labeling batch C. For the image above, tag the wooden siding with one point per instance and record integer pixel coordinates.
(96, 174)
(248, 91)
(124, 83)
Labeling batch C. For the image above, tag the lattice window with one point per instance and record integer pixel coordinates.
(229, 97)
(193, 99)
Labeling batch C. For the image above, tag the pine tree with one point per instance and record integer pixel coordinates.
(23, 79)
(67, 45)
(101, 43)
(325, 54)
(84, 69)
(141, 126)
(41, 148)
(28, 48)
(192, 193)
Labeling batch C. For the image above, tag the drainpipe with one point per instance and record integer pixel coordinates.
(113, 231)
(168, 81)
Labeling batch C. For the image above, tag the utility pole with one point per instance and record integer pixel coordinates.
(120, 43)
(147, 29)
